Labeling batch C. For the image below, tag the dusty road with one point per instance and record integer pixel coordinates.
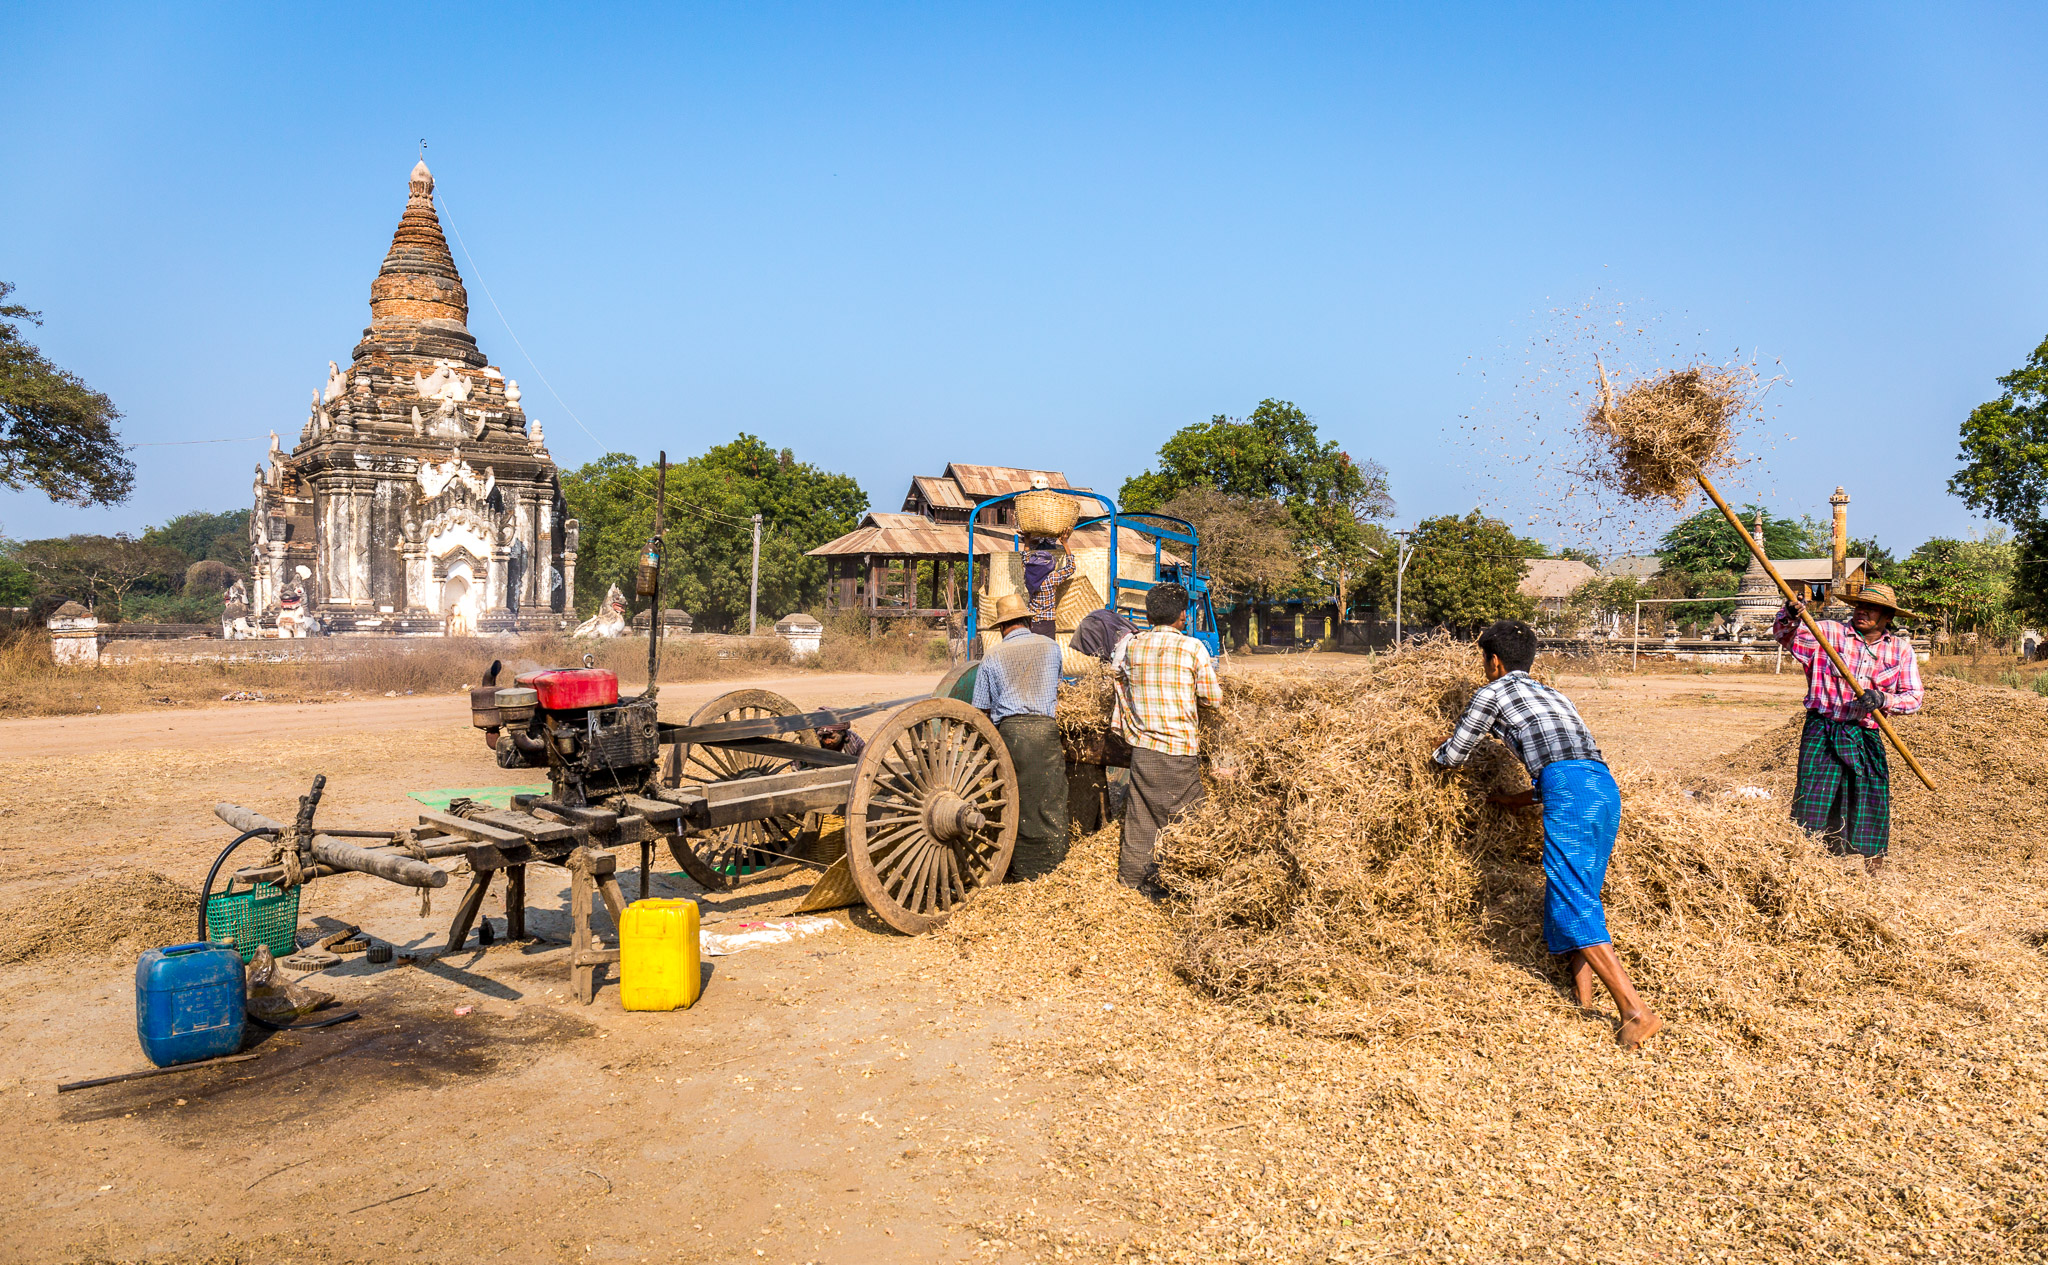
(216, 725)
(828, 1100)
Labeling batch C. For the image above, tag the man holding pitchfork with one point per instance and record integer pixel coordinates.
(1844, 790)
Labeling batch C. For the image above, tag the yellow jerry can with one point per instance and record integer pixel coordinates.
(658, 963)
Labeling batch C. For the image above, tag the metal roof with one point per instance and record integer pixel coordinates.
(982, 482)
(1813, 570)
(939, 492)
(914, 535)
(1643, 566)
(1553, 577)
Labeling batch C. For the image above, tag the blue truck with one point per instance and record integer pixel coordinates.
(1162, 530)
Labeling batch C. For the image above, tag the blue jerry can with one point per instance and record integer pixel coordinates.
(188, 1002)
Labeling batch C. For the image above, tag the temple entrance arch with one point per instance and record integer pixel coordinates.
(458, 601)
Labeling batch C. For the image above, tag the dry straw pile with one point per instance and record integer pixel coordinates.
(1087, 701)
(125, 909)
(1651, 440)
(1336, 867)
(1984, 746)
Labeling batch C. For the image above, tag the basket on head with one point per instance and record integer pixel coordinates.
(1046, 513)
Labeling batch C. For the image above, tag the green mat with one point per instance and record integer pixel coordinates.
(495, 796)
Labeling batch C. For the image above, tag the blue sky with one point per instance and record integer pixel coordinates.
(892, 236)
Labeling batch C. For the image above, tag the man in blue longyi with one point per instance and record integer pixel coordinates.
(1581, 812)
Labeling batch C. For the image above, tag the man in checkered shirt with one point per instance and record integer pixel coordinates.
(1161, 674)
(1581, 812)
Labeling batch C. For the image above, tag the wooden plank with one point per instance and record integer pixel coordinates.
(654, 810)
(536, 829)
(769, 726)
(472, 829)
(728, 812)
(245, 818)
(600, 820)
(159, 1071)
(778, 749)
(775, 783)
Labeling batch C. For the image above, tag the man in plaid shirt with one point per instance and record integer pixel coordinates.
(1845, 786)
(1162, 674)
(1581, 812)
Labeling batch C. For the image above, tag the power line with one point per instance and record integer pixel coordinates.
(477, 272)
(172, 443)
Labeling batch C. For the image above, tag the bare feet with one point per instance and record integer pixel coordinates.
(1872, 865)
(1646, 1023)
(1581, 972)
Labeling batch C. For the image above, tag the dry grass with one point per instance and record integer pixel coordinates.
(140, 676)
(127, 910)
(1986, 746)
(1389, 1072)
(1086, 702)
(1661, 431)
(1338, 873)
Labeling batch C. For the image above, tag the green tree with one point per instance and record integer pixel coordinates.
(17, 583)
(1464, 574)
(1247, 546)
(204, 537)
(2005, 447)
(1878, 562)
(1706, 542)
(102, 570)
(56, 433)
(1964, 584)
(709, 532)
(1275, 454)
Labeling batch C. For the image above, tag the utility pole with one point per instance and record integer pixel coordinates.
(754, 589)
(1401, 571)
(649, 582)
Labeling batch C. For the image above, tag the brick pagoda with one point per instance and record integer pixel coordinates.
(418, 499)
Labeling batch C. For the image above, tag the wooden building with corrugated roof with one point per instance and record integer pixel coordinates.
(879, 568)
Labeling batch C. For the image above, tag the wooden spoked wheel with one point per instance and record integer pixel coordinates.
(933, 814)
(744, 852)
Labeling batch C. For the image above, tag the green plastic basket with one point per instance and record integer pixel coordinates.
(261, 915)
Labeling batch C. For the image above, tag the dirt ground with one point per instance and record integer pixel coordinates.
(841, 1098)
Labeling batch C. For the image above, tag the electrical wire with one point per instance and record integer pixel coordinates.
(172, 443)
(477, 273)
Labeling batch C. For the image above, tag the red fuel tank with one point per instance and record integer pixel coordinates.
(565, 689)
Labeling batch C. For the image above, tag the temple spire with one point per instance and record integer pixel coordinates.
(418, 281)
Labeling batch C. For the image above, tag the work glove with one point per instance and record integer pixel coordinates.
(1867, 702)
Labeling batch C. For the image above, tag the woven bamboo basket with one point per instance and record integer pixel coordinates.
(1043, 513)
(1077, 598)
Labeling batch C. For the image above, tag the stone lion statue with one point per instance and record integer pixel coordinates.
(610, 620)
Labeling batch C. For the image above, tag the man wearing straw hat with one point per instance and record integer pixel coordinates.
(1845, 785)
(1019, 687)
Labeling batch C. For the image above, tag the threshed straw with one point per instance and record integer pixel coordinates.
(1086, 702)
(1662, 431)
(1336, 864)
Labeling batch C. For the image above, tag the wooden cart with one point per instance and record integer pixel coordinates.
(929, 815)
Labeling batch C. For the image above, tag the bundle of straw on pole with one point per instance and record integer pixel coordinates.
(1655, 437)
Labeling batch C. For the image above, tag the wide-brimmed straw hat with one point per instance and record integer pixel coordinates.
(1878, 595)
(1009, 610)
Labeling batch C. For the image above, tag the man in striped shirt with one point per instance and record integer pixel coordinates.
(1845, 785)
(1162, 675)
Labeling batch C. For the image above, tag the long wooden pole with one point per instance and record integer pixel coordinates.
(1807, 616)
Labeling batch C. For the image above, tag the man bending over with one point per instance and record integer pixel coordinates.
(1581, 812)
